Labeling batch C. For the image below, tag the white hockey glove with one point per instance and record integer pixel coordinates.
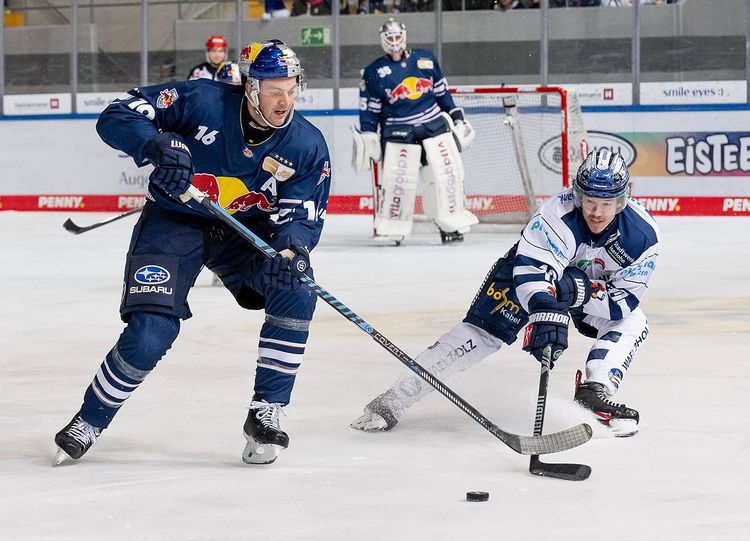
(464, 134)
(366, 149)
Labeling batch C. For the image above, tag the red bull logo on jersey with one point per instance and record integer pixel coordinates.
(166, 98)
(411, 88)
(231, 193)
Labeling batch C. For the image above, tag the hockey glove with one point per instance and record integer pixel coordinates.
(173, 165)
(292, 261)
(548, 325)
(574, 287)
(365, 149)
(463, 132)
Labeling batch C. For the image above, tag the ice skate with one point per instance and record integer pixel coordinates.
(622, 420)
(75, 439)
(379, 415)
(264, 436)
(449, 238)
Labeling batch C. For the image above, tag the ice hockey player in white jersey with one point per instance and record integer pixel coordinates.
(405, 96)
(588, 254)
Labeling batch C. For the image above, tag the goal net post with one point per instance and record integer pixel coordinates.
(529, 144)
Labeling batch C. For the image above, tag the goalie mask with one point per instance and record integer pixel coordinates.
(393, 38)
(603, 175)
(269, 60)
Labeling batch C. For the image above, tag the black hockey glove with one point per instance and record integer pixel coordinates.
(283, 270)
(574, 288)
(173, 165)
(548, 325)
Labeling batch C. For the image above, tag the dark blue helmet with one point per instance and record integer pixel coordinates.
(604, 175)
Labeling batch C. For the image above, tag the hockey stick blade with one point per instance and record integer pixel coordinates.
(568, 472)
(555, 442)
(72, 227)
(527, 445)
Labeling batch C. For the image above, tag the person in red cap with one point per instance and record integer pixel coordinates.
(216, 54)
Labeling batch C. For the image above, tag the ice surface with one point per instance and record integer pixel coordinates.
(169, 466)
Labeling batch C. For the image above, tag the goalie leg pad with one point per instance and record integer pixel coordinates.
(398, 189)
(443, 199)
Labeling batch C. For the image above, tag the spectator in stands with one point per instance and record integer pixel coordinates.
(630, 2)
(502, 5)
(275, 9)
(216, 54)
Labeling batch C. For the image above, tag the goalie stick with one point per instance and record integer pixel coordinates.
(77, 229)
(569, 472)
(526, 445)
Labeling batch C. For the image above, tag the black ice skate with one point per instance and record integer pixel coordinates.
(75, 439)
(379, 415)
(448, 238)
(264, 436)
(593, 396)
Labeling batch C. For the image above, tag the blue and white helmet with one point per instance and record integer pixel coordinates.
(393, 37)
(604, 175)
(271, 59)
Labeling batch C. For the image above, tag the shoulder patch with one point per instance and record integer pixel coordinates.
(425, 64)
(280, 172)
(166, 98)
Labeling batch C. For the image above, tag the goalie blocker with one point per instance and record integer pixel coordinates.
(410, 155)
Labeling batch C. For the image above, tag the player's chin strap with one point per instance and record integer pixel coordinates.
(253, 99)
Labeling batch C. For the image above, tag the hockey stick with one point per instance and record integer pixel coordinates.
(569, 472)
(77, 229)
(526, 445)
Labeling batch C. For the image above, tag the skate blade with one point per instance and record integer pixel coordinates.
(260, 453)
(623, 428)
(60, 457)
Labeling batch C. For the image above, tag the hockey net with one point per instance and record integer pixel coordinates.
(529, 144)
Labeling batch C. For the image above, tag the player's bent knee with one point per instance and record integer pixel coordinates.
(146, 338)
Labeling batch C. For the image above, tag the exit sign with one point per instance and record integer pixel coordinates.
(315, 36)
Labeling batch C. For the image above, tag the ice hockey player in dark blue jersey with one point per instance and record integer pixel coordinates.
(588, 254)
(405, 96)
(247, 148)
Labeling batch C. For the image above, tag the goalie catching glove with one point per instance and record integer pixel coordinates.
(291, 262)
(366, 149)
(463, 132)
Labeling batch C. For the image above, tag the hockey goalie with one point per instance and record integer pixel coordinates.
(411, 129)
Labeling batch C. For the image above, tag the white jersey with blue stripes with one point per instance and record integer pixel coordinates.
(620, 262)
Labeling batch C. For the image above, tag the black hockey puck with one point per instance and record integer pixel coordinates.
(477, 496)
